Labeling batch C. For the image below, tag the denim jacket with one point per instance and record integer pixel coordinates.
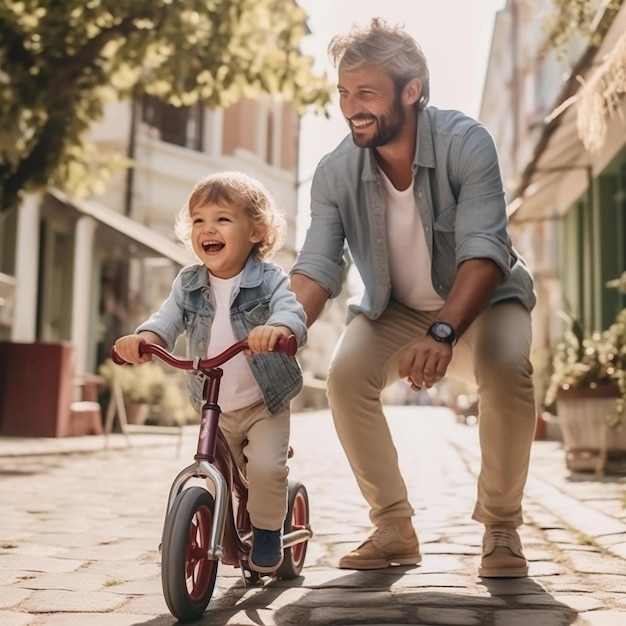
(459, 195)
(263, 297)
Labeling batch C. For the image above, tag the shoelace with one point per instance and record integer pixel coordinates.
(381, 534)
(503, 536)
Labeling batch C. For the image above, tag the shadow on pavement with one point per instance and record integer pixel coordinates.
(592, 477)
(166, 620)
(527, 594)
(373, 597)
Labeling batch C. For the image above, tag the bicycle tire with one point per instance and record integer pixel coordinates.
(187, 574)
(297, 517)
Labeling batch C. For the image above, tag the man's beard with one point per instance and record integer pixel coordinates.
(389, 127)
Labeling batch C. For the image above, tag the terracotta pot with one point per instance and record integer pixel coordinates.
(588, 439)
(137, 412)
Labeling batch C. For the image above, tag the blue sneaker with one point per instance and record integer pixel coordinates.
(267, 550)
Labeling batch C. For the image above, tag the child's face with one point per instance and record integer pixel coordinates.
(222, 237)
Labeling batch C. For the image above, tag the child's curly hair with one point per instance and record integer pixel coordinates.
(237, 188)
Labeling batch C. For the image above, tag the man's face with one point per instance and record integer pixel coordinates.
(371, 105)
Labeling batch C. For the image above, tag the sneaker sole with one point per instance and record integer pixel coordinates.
(505, 572)
(380, 563)
(260, 569)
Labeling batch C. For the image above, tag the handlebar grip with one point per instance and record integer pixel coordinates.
(287, 345)
(116, 358)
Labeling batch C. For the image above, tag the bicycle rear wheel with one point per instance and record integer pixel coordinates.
(187, 574)
(297, 517)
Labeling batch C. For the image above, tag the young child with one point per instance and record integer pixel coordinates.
(232, 226)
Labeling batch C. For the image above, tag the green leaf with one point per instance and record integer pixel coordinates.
(61, 62)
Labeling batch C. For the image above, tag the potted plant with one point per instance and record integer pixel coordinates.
(588, 387)
(142, 386)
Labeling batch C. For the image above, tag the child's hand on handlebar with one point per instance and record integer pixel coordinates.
(264, 338)
(127, 348)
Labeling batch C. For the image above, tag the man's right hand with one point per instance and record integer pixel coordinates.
(425, 362)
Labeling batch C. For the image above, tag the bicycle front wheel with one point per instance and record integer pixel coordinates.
(187, 574)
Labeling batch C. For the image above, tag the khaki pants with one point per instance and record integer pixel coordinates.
(263, 439)
(493, 354)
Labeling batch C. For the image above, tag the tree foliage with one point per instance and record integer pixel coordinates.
(570, 19)
(62, 61)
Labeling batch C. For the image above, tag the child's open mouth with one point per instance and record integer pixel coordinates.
(212, 246)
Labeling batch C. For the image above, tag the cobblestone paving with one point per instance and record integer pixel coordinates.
(79, 536)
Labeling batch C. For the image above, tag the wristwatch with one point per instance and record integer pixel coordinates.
(442, 331)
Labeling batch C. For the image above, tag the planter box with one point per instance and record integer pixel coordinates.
(36, 389)
(590, 443)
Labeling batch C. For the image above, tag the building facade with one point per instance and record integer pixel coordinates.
(562, 146)
(86, 271)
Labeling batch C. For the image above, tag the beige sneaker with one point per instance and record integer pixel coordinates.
(502, 554)
(392, 543)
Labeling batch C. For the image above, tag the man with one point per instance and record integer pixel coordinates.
(417, 195)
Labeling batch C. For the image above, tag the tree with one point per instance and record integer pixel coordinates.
(567, 20)
(61, 62)
(600, 94)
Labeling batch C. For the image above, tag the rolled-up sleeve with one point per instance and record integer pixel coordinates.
(321, 256)
(481, 223)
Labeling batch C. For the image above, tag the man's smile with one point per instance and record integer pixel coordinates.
(361, 122)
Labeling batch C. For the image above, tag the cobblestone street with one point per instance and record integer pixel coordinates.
(79, 534)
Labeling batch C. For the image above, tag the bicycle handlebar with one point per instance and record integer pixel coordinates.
(285, 345)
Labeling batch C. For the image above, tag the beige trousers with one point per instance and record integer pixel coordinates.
(493, 354)
(260, 444)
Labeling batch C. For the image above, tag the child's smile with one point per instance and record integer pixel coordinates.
(212, 246)
(223, 237)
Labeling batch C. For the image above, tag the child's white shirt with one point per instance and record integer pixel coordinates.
(238, 387)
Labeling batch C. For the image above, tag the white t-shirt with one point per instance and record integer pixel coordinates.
(238, 387)
(409, 260)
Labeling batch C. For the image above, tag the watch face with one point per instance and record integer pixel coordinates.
(442, 332)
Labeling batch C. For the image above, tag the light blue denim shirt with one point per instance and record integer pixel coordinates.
(263, 297)
(459, 194)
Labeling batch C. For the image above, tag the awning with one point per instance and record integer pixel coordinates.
(139, 233)
(559, 175)
(560, 168)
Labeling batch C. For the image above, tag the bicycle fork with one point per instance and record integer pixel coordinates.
(204, 467)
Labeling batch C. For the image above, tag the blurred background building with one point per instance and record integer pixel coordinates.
(83, 272)
(97, 267)
(557, 114)
(78, 272)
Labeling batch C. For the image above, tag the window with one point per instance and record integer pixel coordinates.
(182, 126)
